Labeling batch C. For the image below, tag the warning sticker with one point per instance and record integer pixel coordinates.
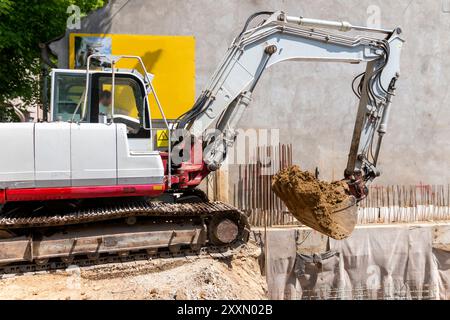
(162, 138)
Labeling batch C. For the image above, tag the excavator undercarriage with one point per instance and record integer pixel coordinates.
(62, 233)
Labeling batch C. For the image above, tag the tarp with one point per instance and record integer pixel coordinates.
(374, 263)
(281, 252)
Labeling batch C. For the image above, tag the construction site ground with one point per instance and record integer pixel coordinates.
(207, 278)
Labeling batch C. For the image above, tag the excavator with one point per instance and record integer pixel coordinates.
(89, 183)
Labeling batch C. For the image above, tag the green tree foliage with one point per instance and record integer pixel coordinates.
(23, 25)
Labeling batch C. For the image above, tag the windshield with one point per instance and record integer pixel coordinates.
(68, 94)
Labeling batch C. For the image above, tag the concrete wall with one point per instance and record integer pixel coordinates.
(379, 262)
(311, 103)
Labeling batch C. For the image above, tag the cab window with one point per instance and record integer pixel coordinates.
(68, 95)
(128, 100)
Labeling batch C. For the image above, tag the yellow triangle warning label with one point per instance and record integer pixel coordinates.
(162, 138)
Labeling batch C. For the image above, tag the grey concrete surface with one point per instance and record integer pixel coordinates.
(312, 103)
(378, 262)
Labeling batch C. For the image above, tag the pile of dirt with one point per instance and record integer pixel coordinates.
(238, 278)
(317, 204)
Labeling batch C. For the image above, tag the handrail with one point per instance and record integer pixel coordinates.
(147, 81)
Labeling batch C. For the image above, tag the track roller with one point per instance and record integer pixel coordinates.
(228, 228)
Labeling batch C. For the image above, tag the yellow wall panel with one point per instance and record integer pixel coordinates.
(170, 58)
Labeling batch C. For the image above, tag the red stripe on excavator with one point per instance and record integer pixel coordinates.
(2, 196)
(62, 193)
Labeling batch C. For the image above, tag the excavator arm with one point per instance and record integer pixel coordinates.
(282, 38)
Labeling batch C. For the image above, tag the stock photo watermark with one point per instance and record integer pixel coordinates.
(74, 19)
(446, 6)
(73, 282)
(374, 16)
(238, 148)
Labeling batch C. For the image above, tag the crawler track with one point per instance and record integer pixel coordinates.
(34, 237)
(15, 218)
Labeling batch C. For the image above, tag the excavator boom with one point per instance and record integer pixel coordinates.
(282, 38)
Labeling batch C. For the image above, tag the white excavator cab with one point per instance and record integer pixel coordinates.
(98, 140)
(130, 99)
(105, 95)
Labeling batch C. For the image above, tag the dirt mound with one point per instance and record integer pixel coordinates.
(161, 279)
(318, 204)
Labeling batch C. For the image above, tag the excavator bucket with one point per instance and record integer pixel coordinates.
(324, 207)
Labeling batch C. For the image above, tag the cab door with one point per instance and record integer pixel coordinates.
(128, 106)
(137, 162)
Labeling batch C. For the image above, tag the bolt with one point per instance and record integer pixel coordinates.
(271, 49)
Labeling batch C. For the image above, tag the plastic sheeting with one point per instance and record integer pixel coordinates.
(391, 262)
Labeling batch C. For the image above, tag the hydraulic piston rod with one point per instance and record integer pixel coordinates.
(335, 25)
